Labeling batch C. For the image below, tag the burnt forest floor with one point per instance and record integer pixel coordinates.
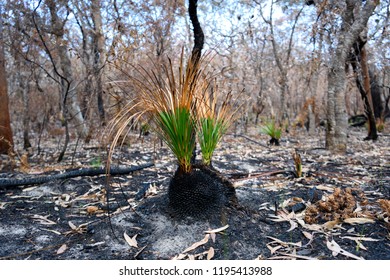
(338, 209)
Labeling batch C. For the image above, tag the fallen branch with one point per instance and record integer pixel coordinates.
(44, 178)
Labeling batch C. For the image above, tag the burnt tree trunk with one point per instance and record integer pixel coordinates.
(198, 45)
(198, 32)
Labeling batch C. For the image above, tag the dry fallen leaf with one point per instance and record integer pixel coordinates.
(297, 244)
(308, 235)
(359, 238)
(330, 225)
(217, 230)
(325, 188)
(44, 220)
(62, 249)
(273, 249)
(152, 190)
(72, 226)
(131, 241)
(210, 253)
(336, 249)
(29, 189)
(313, 227)
(293, 225)
(213, 236)
(197, 244)
(92, 209)
(24, 165)
(179, 257)
(353, 221)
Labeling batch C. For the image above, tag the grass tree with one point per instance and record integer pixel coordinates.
(183, 106)
(273, 131)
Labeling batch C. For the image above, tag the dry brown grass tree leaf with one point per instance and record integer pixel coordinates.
(132, 241)
(197, 244)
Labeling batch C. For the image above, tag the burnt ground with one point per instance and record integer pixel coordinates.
(338, 209)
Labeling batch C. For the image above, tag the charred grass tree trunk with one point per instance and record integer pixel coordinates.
(201, 193)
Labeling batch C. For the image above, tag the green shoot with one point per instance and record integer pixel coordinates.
(298, 164)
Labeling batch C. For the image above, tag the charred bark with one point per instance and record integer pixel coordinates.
(44, 178)
(202, 193)
(198, 32)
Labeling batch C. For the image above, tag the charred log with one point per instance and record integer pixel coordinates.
(44, 178)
